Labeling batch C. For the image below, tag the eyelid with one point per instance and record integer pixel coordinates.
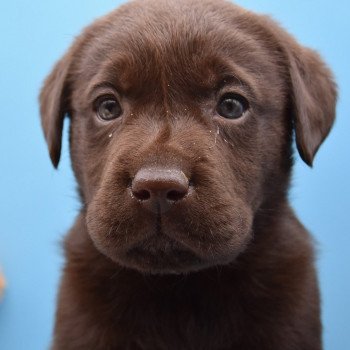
(98, 100)
(102, 89)
(236, 90)
(231, 83)
(239, 97)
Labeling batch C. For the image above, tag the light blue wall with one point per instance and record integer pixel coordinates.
(38, 204)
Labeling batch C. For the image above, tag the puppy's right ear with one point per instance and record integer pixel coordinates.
(54, 105)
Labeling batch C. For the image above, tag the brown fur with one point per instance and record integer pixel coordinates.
(229, 266)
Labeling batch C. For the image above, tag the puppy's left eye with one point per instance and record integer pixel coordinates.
(109, 109)
(232, 106)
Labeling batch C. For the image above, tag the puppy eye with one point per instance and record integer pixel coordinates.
(109, 109)
(232, 106)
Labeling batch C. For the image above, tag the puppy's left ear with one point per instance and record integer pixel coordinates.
(313, 99)
(54, 105)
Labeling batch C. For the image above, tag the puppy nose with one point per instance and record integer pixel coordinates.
(159, 188)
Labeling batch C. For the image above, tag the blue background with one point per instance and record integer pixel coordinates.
(38, 204)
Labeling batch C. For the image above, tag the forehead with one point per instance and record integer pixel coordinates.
(194, 47)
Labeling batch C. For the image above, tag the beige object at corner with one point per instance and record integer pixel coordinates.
(2, 284)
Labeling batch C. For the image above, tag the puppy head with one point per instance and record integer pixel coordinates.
(182, 115)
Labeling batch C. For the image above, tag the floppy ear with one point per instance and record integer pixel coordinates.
(54, 105)
(313, 99)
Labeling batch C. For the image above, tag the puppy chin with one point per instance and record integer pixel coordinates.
(181, 264)
(160, 262)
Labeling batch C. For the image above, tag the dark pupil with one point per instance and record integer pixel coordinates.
(109, 109)
(231, 108)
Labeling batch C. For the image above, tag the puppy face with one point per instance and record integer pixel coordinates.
(182, 116)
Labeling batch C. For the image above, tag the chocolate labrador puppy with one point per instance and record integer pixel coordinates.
(182, 117)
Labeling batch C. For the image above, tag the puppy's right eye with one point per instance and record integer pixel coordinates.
(109, 109)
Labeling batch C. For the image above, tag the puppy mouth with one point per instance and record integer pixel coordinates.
(160, 254)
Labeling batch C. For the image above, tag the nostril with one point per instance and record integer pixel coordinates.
(158, 187)
(175, 195)
(142, 195)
